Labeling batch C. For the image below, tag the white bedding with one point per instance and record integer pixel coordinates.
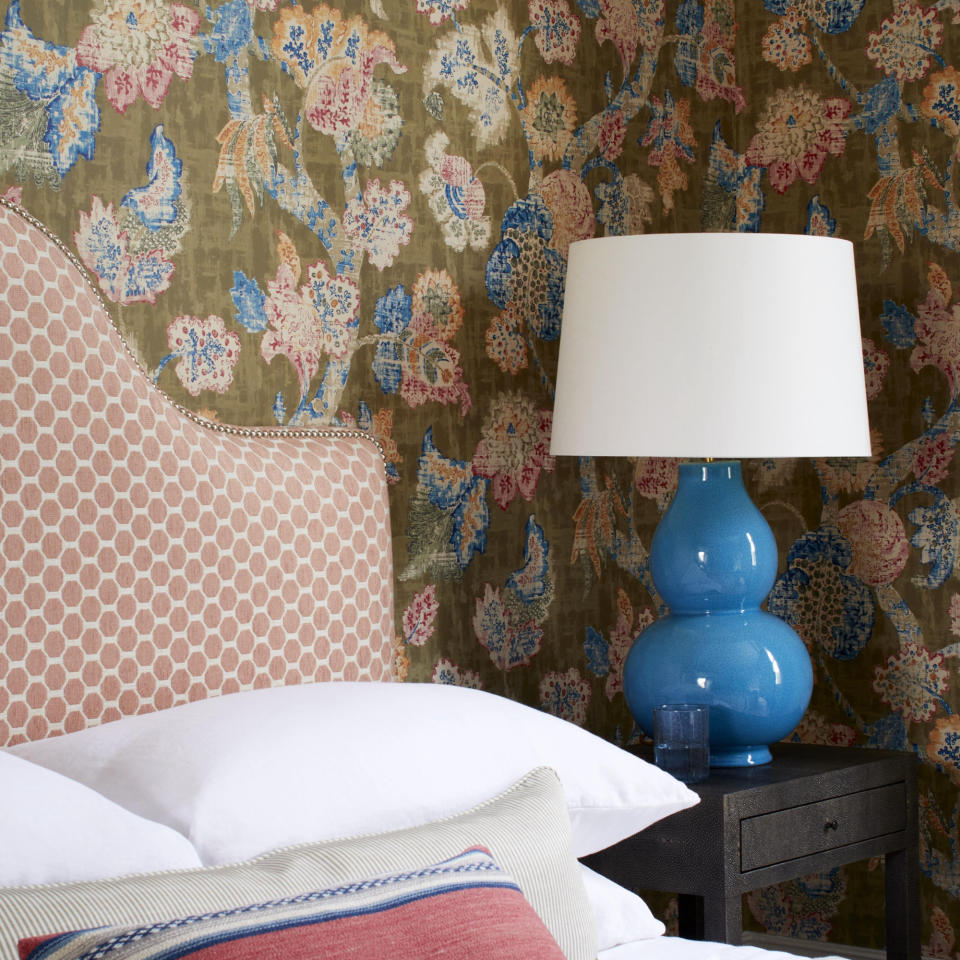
(676, 948)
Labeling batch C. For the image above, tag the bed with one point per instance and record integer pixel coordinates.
(202, 748)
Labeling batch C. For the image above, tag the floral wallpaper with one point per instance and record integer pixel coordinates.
(304, 213)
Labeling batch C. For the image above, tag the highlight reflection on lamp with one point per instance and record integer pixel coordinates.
(716, 345)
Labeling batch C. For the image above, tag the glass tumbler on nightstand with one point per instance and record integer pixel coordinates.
(681, 740)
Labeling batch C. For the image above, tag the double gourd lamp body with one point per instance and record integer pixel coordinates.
(711, 348)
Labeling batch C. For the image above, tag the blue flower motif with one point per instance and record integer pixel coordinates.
(836, 16)
(826, 605)
(880, 104)
(900, 325)
(526, 216)
(56, 80)
(938, 531)
(391, 315)
(530, 581)
(249, 300)
(598, 653)
(155, 203)
(233, 30)
(589, 8)
(888, 733)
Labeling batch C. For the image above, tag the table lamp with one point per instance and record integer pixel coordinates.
(720, 346)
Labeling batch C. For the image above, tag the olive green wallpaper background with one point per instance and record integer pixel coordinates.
(359, 213)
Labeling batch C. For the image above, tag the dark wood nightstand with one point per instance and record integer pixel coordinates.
(813, 808)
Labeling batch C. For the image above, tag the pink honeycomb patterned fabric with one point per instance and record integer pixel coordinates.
(147, 559)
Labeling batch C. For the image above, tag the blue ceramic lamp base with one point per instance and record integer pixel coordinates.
(714, 560)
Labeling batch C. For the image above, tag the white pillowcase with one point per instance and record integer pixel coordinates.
(253, 771)
(620, 915)
(53, 830)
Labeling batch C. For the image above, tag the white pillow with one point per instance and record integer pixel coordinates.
(253, 771)
(525, 828)
(53, 829)
(620, 915)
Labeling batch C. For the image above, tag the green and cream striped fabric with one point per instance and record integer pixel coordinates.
(526, 828)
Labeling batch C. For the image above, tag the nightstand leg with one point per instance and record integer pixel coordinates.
(903, 904)
(710, 918)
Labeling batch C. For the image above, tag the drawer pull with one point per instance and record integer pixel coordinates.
(831, 825)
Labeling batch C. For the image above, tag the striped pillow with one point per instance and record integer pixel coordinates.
(526, 828)
(465, 908)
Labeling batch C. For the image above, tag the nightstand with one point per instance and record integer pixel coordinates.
(813, 808)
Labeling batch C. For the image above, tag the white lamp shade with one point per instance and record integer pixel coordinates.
(724, 345)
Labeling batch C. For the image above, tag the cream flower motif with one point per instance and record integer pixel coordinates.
(905, 42)
(376, 220)
(795, 133)
(207, 352)
(138, 45)
(912, 680)
(455, 196)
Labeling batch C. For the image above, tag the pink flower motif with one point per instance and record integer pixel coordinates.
(569, 202)
(13, 195)
(613, 131)
(419, 619)
(208, 353)
(938, 331)
(139, 45)
(880, 545)
(319, 316)
(816, 728)
(656, 478)
(565, 695)
(124, 278)
(557, 30)
(932, 458)
(509, 644)
(333, 59)
(376, 220)
(619, 23)
(875, 365)
(795, 133)
(514, 447)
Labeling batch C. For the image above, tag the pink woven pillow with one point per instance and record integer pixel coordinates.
(465, 908)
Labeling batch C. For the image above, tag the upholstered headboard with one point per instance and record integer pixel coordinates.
(148, 557)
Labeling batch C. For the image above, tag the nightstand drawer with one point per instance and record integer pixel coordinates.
(814, 827)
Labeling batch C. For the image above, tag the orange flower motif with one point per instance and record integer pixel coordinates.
(569, 202)
(550, 117)
(941, 100)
